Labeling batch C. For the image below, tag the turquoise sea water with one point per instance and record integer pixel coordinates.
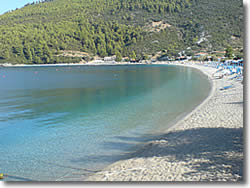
(61, 123)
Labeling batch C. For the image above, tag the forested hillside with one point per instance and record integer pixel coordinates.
(39, 32)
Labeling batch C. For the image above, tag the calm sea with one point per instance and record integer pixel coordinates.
(63, 123)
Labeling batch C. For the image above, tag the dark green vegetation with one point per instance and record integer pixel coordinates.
(40, 32)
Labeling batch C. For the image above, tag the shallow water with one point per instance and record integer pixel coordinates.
(61, 123)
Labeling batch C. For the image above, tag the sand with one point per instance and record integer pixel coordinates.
(206, 145)
(92, 63)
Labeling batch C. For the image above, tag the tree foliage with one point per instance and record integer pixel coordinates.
(229, 52)
(38, 32)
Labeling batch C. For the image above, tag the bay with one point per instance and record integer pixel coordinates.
(64, 123)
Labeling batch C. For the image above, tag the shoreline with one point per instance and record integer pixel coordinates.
(188, 150)
(9, 65)
(204, 144)
(69, 64)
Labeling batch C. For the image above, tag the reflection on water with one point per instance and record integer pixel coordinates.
(74, 116)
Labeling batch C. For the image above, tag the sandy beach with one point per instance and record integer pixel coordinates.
(206, 145)
(69, 64)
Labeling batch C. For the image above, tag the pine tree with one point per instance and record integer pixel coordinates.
(118, 56)
(134, 40)
(27, 53)
(229, 52)
(132, 55)
(6, 54)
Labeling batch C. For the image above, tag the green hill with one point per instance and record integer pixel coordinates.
(40, 32)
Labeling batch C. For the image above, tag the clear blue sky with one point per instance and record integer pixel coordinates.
(6, 5)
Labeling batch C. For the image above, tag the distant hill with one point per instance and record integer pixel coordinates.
(41, 32)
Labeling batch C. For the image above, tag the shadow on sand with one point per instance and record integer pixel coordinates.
(220, 148)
